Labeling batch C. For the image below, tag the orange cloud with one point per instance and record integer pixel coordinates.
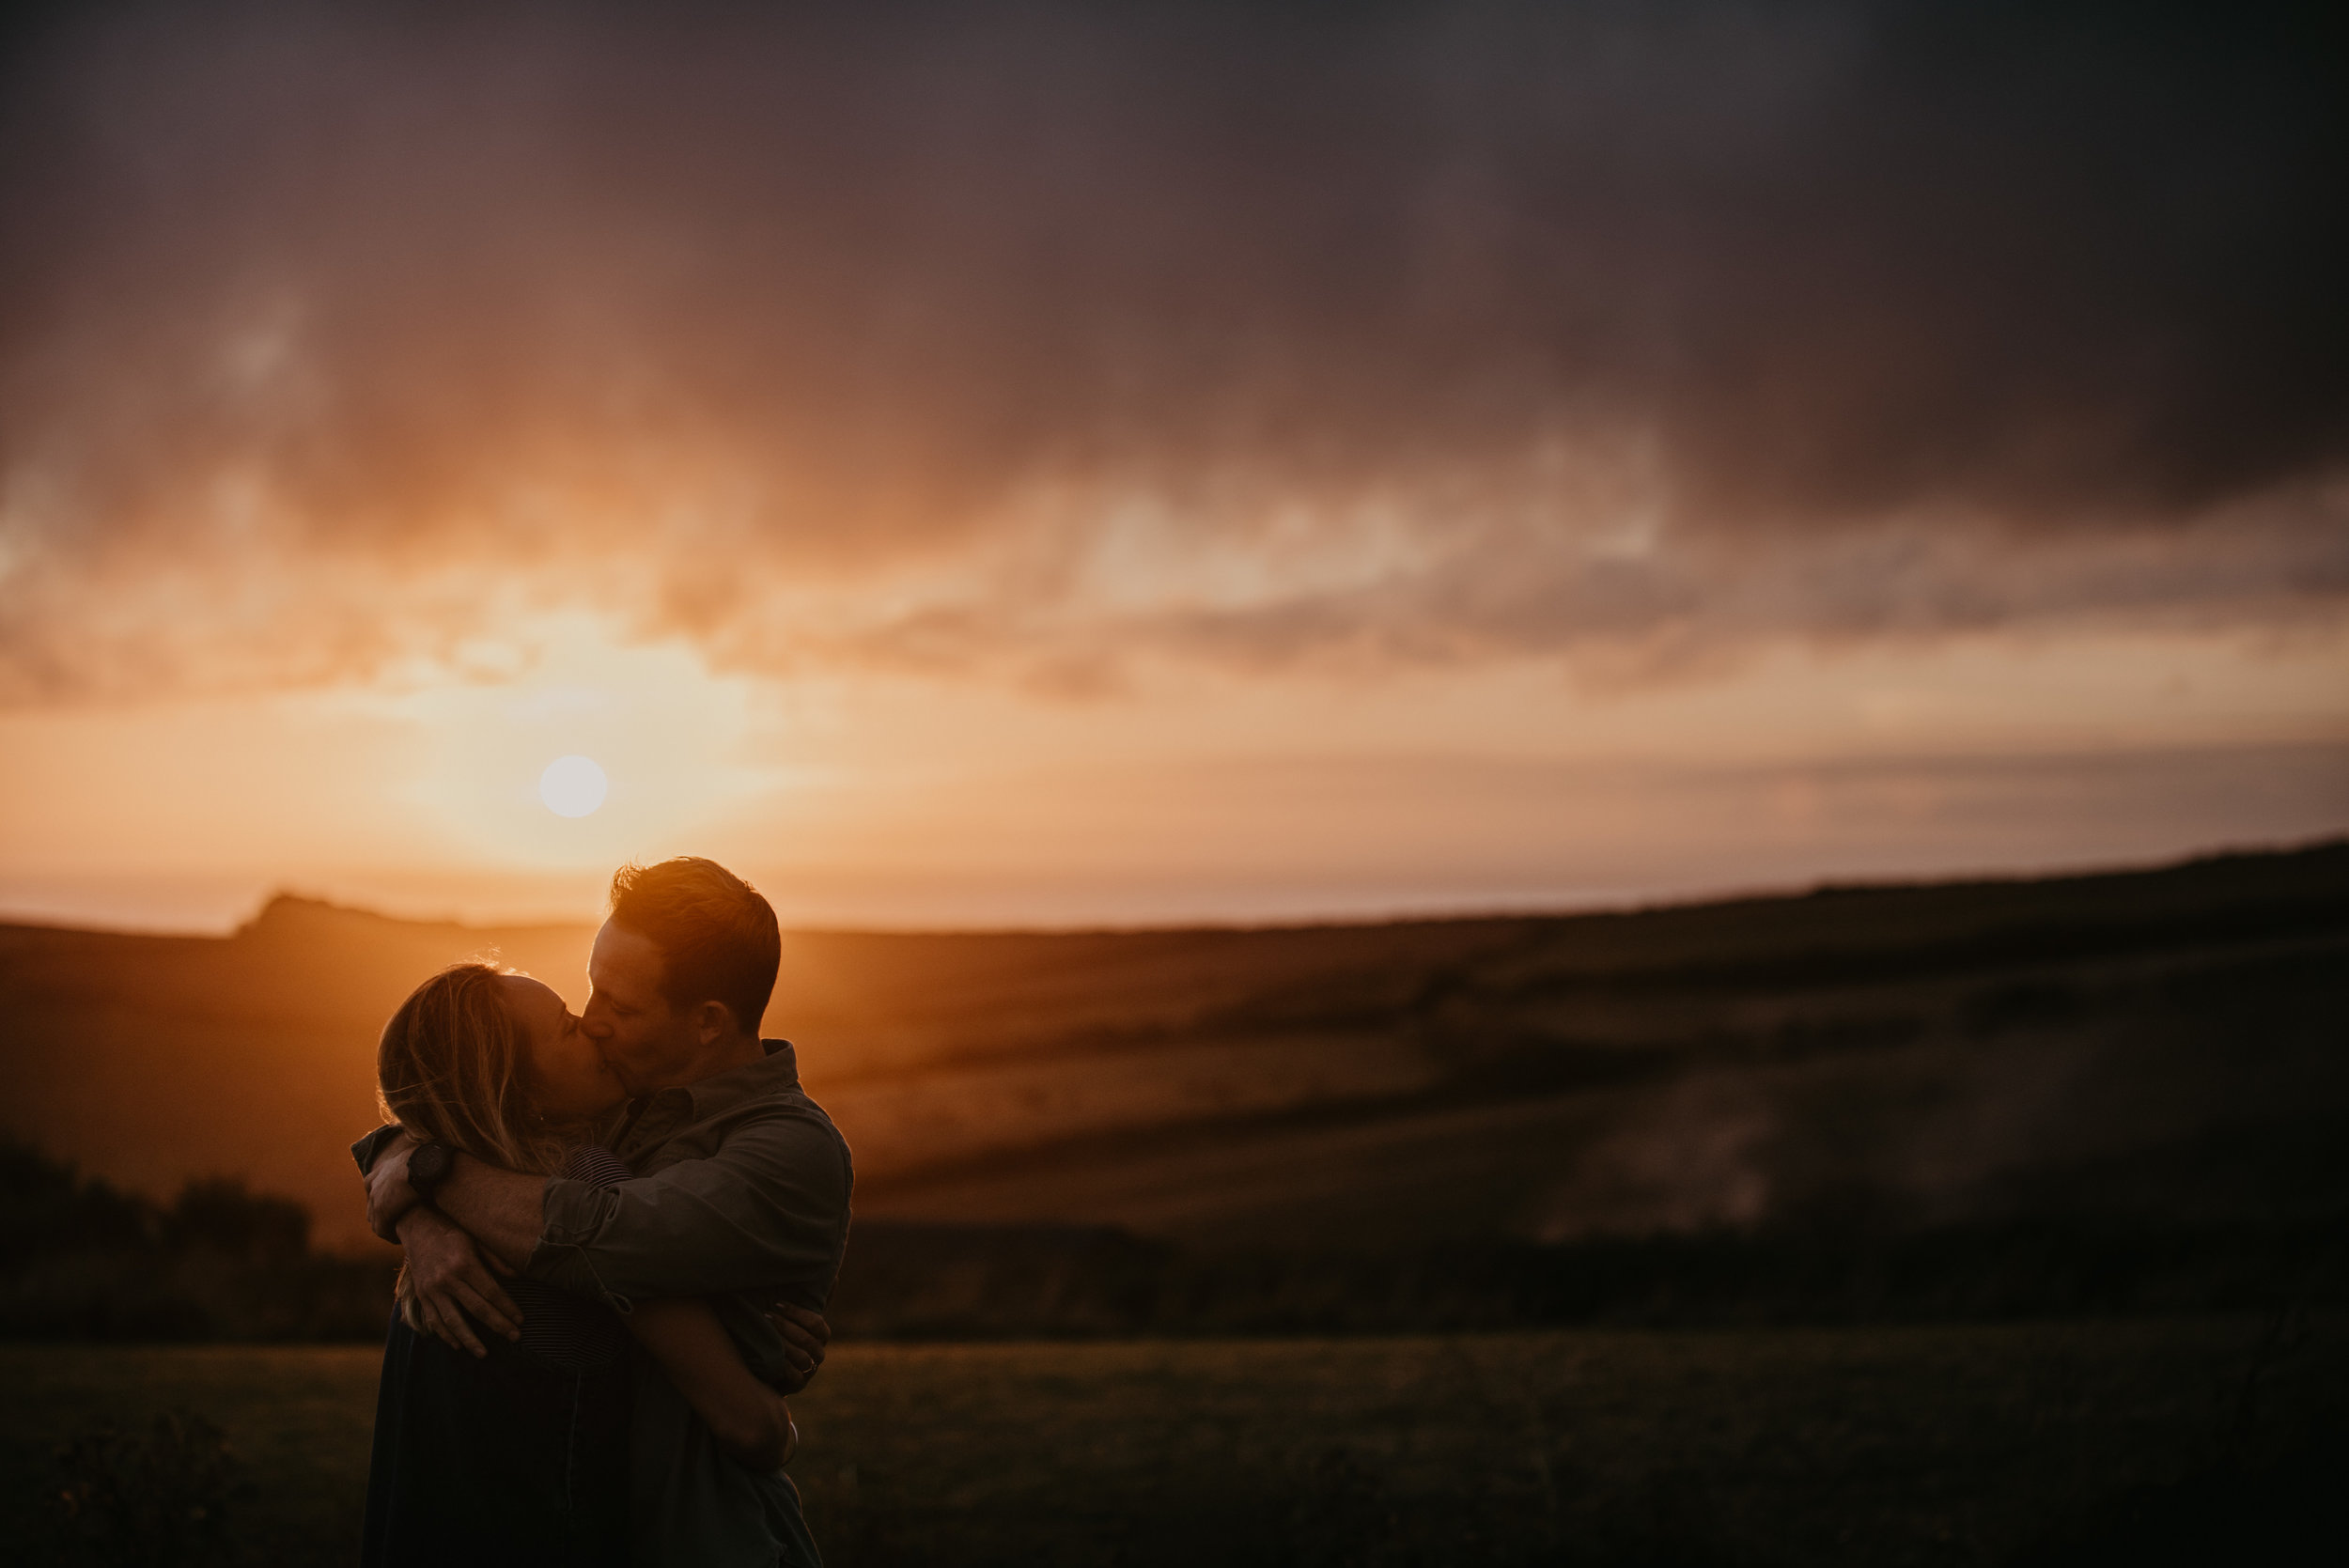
(333, 338)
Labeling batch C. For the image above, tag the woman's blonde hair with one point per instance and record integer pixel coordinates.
(450, 1068)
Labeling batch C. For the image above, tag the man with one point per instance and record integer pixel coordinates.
(741, 1195)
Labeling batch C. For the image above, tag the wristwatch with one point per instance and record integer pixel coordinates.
(428, 1166)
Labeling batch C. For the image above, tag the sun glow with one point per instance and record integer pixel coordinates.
(591, 751)
(903, 799)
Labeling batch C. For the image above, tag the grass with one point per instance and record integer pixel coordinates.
(297, 1418)
(1921, 1445)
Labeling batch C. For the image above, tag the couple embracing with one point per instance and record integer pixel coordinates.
(620, 1228)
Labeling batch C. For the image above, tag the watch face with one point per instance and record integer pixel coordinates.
(428, 1166)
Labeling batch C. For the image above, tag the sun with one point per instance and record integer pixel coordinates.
(572, 786)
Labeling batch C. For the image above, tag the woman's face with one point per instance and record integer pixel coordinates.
(568, 1080)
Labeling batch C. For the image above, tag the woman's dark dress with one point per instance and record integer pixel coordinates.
(518, 1459)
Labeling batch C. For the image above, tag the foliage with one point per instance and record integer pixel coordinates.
(79, 1259)
(46, 1208)
(219, 1215)
(164, 1499)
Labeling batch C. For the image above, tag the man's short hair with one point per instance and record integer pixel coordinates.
(717, 937)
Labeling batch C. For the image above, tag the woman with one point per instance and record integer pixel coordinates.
(521, 1456)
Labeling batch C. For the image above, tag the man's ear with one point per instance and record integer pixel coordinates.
(713, 1021)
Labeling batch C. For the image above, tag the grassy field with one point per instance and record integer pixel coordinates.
(1956, 1445)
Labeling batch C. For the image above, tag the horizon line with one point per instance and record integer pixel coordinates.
(1555, 905)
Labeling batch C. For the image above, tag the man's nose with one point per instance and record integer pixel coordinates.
(594, 1024)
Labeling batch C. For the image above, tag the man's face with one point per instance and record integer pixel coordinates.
(647, 1044)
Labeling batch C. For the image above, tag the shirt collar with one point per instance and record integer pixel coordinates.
(773, 1073)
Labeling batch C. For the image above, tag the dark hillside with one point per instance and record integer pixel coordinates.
(2148, 1047)
(2156, 1047)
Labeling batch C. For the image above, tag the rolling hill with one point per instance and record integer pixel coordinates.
(2164, 1045)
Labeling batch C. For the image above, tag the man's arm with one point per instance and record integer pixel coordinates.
(769, 1209)
(444, 1269)
(505, 1212)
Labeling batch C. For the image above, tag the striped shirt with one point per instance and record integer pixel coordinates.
(563, 1327)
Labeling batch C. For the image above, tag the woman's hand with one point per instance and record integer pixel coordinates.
(446, 1272)
(805, 1336)
(749, 1419)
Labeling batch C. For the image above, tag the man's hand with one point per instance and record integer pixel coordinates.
(805, 1336)
(450, 1280)
(389, 1197)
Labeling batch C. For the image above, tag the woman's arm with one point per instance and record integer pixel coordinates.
(750, 1420)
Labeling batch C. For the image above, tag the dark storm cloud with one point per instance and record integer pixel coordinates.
(1010, 335)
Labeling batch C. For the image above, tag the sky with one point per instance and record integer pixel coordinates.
(1061, 464)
